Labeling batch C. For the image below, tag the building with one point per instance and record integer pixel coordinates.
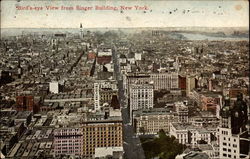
(103, 152)
(141, 96)
(101, 134)
(151, 121)
(68, 141)
(91, 55)
(189, 134)
(160, 81)
(182, 82)
(191, 83)
(233, 92)
(166, 81)
(106, 95)
(193, 155)
(104, 56)
(96, 96)
(137, 56)
(54, 87)
(207, 101)
(233, 133)
(211, 102)
(182, 112)
(103, 92)
(81, 31)
(26, 103)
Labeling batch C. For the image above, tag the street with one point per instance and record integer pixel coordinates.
(132, 145)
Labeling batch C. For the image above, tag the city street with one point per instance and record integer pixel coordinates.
(132, 146)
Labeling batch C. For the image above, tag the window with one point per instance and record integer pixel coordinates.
(225, 155)
(224, 143)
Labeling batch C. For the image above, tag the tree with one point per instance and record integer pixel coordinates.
(164, 147)
(162, 134)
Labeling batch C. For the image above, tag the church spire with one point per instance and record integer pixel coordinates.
(81, 31)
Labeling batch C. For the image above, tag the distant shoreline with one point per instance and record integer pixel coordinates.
(178, 33)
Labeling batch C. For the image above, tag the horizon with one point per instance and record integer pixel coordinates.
(131, 27)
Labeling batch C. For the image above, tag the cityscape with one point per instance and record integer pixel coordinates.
(125, 93)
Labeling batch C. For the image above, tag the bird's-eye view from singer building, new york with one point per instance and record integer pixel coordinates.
(157, 83)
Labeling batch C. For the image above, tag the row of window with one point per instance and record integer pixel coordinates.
(68, 144)
(224, 132)
(68, 147)
(229, 156)
(229, 150)
(101, 128)
(67, 137)
(65, 152)
(225, 144)
(229, 139)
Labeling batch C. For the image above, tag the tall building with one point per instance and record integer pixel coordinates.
(191, 83)
(141, 96)
(233, 133)
(100, 134)
(68, 141)
(96, 96)
(81, 31)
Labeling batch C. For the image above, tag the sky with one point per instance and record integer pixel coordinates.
(180, 13)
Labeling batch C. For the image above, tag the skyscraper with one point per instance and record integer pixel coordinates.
(81, 31)
(233, 134)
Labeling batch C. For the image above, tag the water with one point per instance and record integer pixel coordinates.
(192, 36)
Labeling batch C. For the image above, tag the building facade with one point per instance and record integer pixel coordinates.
(233, 133)
(152, 121)
(141, 96)
(189, 134)
(68, 141)
(96, 96)
(97, 134)
(166, 81)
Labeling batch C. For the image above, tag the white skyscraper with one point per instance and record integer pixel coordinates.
(96, 96)
(141, 96)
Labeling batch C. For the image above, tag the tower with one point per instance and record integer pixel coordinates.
(81, 31)
(233, 134)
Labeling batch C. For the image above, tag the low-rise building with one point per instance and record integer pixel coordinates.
(151, 121)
